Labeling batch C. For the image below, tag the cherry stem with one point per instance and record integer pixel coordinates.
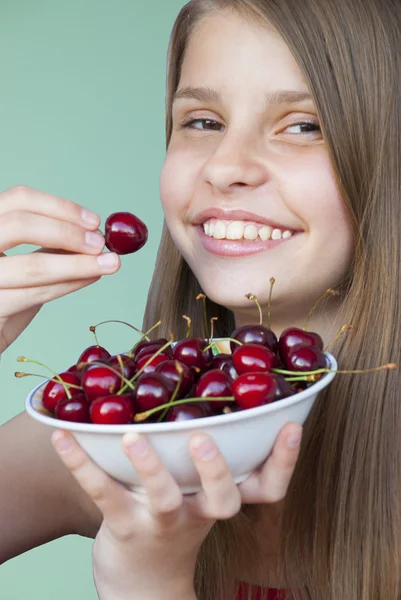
(20, 374)
(110, 368)
(222, 340)
(203, 297)
(139, 373)
(253, 297)
(308, 378)
(144, 415)
(56, 375)
(94, 327)
(212, 320)
(326, 294)
(389, 366)
(188, 320)
(343, 330)
(272, 282)
(144, 335)
(177, 387)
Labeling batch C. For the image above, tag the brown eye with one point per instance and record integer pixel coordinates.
(303, 127)
(203, 125)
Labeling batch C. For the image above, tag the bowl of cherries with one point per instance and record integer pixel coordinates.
(241, 390)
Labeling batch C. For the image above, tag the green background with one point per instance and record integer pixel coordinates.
(81, 116)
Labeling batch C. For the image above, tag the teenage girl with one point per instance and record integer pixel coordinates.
(283, 128)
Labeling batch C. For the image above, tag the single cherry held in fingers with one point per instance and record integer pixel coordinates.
(125, 233)
(99, 381)
(112, 410)
(75, 410)
(251, 390)
(54, 391)
(251, 358)
(91, 354)
(214, 384)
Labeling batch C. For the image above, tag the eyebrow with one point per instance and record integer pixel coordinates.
(206, 94)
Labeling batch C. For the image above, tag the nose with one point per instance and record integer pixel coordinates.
(236, 163)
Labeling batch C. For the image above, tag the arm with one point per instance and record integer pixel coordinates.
(39, 498)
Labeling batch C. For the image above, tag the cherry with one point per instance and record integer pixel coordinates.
(254, 389)
(190, 353)
(225, 363)
(187, 412)
(128, 364)
(54, 391)
(251, 358)
(169, 371)
(154, 362)
(98, 381)
(152, 390)
(146, 343)
(152, 349)
(305, 358)
(112, 410)
(125, 233)
(75, 410)
(91, 354)
(284, 388)
(213, 384)
(254, 334)
(293, 336)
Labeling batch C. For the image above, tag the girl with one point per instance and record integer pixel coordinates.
(283, 118)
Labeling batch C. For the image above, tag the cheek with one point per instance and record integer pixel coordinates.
(177, 183)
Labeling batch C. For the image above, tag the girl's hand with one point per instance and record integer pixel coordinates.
(68, 259)
(147, 545)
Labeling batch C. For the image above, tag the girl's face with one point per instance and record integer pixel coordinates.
(247, 186)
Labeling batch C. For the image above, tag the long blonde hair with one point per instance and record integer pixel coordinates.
(340, 524)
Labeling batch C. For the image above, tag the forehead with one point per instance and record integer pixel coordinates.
(232, 54)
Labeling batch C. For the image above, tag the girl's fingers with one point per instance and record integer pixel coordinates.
(270, 483)
(23, 198)
(41, 268)
(163, 494)
(112, 499)
(21, 227)
(219, 498)
(15, 301)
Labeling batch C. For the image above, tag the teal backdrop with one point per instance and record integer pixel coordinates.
(81, 116)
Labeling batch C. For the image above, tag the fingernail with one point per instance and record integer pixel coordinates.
(94, 240)
(90, 218)
(108, 260)
(136, 445)
(294, 440)
(62, 442)
(204, 448)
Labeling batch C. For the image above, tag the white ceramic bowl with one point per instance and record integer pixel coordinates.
(245, 438)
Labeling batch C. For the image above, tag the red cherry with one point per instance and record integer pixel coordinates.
(284, 389)
(152, 349)
(112, 410)
(293, 336)
(190, 353)
(225, 363)
(169, 370)
(128, 364)
(75, 410)
(125, 233)
(145, 343)
(187, 412)
(305, 358)
(156, 360)
(254, 334)
(213, 384)
(252, 358)
(254, 389)
(98, 381)
(152, 390)
(91, 354)
(54, 391)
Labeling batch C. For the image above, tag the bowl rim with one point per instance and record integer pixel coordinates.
(203, 422)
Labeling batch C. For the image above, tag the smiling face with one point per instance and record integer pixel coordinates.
(247, 159)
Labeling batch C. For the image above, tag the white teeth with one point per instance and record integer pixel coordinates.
(241, 230)
(250, 232)
(265, 233)
(219, 231)
(235, 230)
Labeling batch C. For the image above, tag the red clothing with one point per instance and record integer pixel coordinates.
(273, 594)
